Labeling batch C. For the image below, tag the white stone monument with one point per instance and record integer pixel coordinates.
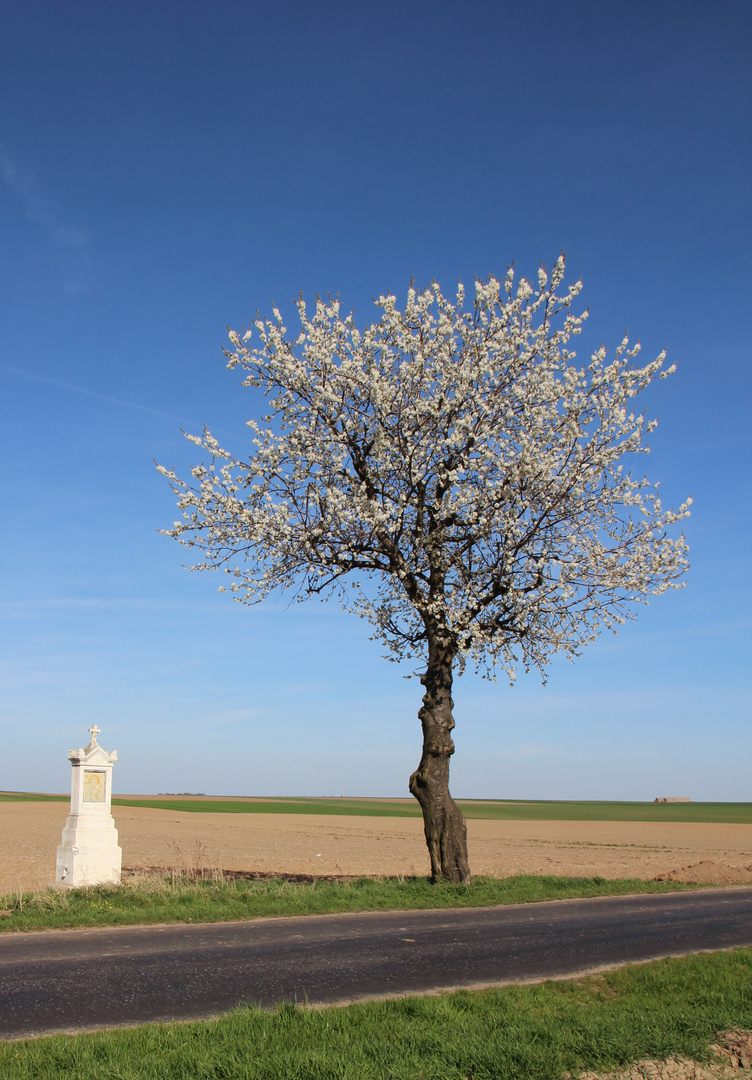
(89, 852)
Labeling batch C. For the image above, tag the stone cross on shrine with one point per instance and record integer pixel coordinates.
(89, 852)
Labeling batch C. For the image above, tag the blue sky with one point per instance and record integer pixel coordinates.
(167, 169)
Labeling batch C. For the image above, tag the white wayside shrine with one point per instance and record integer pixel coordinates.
(89, 853)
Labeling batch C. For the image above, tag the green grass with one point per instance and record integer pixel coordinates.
(489, 809)
(726, 813)
(180, 899)
(671, 1007)
(31, 796)
(349, 807)
(712, 812)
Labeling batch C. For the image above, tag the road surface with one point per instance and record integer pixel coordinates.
(86, 979)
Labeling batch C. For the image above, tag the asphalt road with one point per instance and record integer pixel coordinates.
(85, 979)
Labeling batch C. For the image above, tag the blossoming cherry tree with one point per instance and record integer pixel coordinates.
(452, 474)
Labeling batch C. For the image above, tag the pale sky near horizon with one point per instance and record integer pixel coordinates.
(168, 169)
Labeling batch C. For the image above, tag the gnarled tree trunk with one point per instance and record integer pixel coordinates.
(446, 832)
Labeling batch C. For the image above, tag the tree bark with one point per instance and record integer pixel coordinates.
(444, 824)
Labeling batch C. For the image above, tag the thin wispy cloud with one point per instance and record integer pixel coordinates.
(39, 206)
(74, 388)
(65, 604)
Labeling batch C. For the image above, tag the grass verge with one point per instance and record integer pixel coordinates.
(215, 898)
(541, 1032)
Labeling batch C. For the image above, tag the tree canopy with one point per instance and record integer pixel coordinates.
(459, 457)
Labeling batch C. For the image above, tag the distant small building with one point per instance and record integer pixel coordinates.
(673, 798)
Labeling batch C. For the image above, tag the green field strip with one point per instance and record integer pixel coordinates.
(722, 813)
(708, 812)
(712, 813)
(31, 796)
(348, 807)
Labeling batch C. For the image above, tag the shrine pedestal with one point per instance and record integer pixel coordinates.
(89, 853)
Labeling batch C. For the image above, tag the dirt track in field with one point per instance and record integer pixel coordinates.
(312, 844)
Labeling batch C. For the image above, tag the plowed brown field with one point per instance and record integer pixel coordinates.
(325, 845)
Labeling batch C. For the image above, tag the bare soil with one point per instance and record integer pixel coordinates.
(380, 846)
